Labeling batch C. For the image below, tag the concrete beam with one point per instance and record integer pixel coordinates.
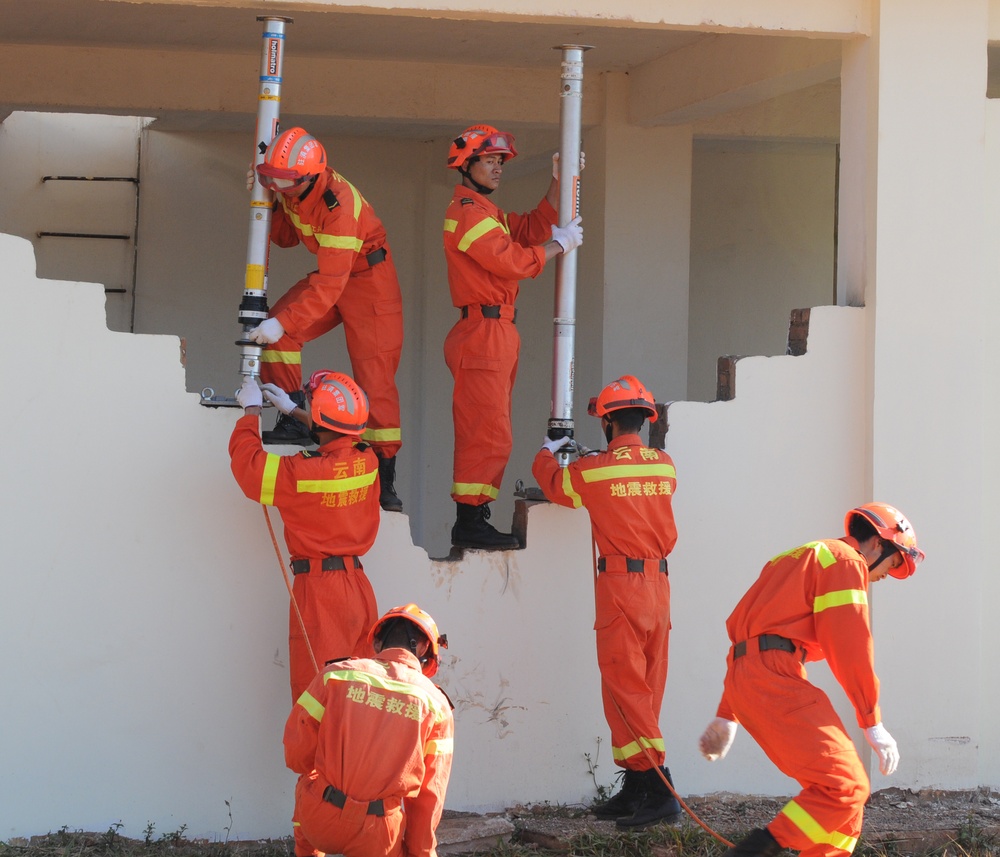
(720, 74)
(781, 17)
(212, 91)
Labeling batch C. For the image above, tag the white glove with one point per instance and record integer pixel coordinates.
(249, 394)
(278, 397)
(570, 236)
(251, 177)
(885, 745)
(717, 739)
(268, 331)
(554, 446)
(555, 164)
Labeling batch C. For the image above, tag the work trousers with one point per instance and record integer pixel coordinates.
(371, 309)
(633, 632)
(349, 831)
(797, 727)
(482, 355)
(338, 608)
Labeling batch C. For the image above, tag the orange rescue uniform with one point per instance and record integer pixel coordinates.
(487, 252)
(356, 285)
(628, 491)
(329, 504)
(816, 596)
(372, 730)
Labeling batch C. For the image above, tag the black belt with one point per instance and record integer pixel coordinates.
(635, 565)
(329, 563)
(765, 643)
(376, 256)
(489, 311)
(338, 799)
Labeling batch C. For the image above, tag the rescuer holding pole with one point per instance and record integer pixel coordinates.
(355, 285)
(488, 252)
(628, 491)
(810, 604)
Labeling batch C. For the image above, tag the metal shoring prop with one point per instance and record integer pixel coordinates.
(253, 308)
(564, 321)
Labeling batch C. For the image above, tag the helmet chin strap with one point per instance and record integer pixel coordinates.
(485, 191)
(887, 551)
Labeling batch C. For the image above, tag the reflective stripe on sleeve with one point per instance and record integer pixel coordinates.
(382, 435)
(814, 831)
(440, 747)
(292, 358)
(450, 225)
(487, 224)
(269, 479)
(839, 599)
(568, 489)
(314, 708)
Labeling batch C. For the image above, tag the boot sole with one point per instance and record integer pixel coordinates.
(666, 819)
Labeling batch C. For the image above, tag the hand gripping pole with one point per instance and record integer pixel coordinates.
(253, 308)
(564, 321)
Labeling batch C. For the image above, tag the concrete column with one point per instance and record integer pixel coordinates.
(928, 358)
(646, 237)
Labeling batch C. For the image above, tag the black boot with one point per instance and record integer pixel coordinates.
(288, 429)
(658, 802)
(627, 799)
(471, 530)
(759, 843)
(387, 480)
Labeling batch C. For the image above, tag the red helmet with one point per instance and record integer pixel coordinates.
(891, 524)
(627, 392)
(293, 159)
(428, 627)
(340, 405)
(316, 378)
(480, 140)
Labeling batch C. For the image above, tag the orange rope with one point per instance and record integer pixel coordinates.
(288, 586)
(645, 749)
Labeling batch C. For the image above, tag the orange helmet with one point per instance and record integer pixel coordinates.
(340, 405)
(891, 524)
(293, 159)
(480, 140)
(316, 378)
(428, 627)
(627, 392)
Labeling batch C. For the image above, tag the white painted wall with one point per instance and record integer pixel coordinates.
(145, 601)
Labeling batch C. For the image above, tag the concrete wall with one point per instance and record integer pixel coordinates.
(145, 602)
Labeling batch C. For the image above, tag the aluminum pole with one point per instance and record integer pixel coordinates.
(564, 320)
(253, 308)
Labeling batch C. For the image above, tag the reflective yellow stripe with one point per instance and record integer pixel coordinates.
(620, 754)
(314, 708)
(268, 480)
(814, 831)
(291, 358)
(824, 556)
(335, 486)
(474, 489)
(358, 198)
(383, 434)
(338, 242)
(620, 471)
(839, 599)
(440, 747)
(450, 225)
(568, 490)
(487, 224)
(436, 708)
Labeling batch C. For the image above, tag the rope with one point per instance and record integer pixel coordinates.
(645, 749)
(288, 586)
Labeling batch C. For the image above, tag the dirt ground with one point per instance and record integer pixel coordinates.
(904, 821)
